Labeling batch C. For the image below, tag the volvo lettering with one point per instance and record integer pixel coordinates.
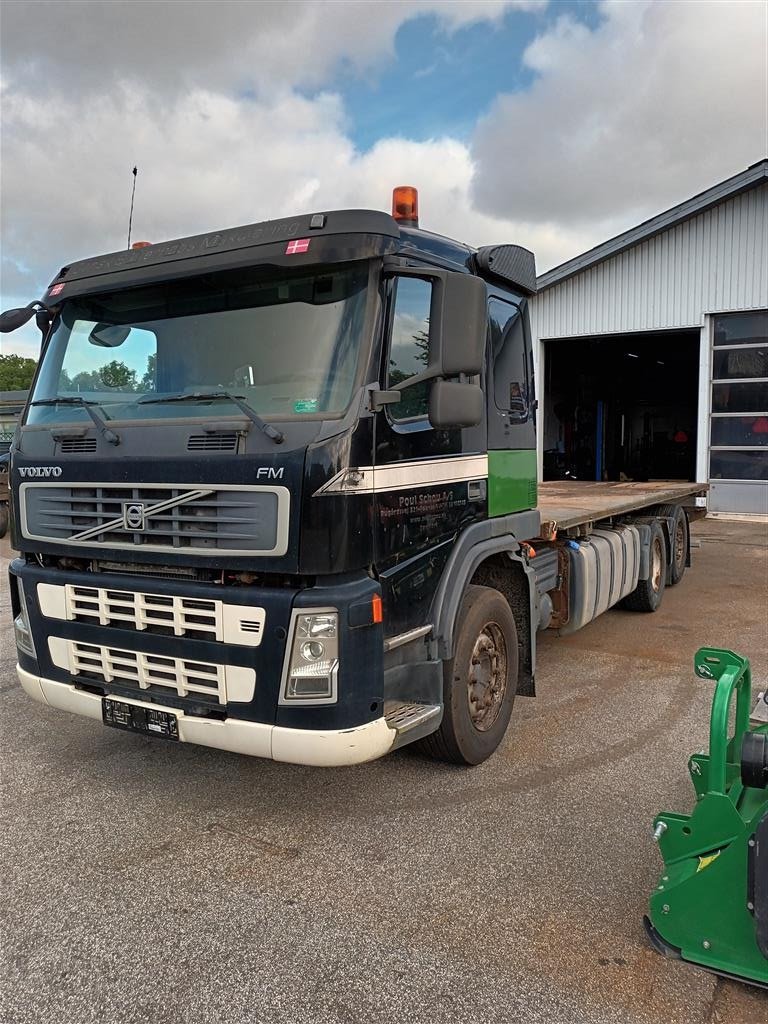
(40, 471)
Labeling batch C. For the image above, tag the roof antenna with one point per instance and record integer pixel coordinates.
(133, 195)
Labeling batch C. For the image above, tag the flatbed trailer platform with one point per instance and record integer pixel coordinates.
(565, 504)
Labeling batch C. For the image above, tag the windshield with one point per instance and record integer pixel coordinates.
(286, 344)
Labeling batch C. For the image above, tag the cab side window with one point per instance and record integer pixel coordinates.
(511, 389)
(409, 347)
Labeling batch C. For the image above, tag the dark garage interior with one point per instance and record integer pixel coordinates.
(621, 407)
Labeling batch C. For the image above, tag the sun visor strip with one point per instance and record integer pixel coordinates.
(348, 235)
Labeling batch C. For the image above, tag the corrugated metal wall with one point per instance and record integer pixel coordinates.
(715, 262)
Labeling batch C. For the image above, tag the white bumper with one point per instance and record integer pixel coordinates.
(320, 748)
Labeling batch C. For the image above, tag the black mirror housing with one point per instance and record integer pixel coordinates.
(11, 319)
(458, 321)
(108, 335)
(458, 325)
(452, 404)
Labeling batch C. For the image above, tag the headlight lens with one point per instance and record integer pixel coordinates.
(317, 625)
(311, 650)
(313, 666)
(24, 640)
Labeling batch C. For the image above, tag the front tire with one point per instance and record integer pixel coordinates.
(479, 681)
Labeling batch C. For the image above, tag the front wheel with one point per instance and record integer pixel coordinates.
(479, 681)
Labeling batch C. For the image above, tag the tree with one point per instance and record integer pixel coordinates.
(119, 376)
(148, 380)
(16, 373)
(86, 380)
(112, 375)
(415, 399)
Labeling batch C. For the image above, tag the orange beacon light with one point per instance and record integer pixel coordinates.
(405, 205)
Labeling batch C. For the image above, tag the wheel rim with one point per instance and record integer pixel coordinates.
(656, 564)
(680, 544)
(487, 677)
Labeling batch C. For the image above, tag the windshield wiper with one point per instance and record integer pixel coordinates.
(109, 435)
(239, 401)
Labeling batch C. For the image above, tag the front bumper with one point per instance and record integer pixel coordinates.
(237, 674)
(329, 748)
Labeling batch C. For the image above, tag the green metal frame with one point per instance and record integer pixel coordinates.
(700, 907)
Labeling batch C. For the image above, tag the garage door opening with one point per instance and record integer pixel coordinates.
(622, 407)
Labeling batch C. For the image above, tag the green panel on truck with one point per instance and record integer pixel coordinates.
(511, 481)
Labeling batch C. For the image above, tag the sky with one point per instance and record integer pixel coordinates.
(553, 125)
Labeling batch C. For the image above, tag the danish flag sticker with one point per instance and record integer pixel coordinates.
(297, 245)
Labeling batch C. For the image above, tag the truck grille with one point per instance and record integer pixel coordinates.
(164, 614)
(183, 676)
(156, 613)
(158, 517)
(112, 665)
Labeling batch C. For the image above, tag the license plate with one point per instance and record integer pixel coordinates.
(151, 722)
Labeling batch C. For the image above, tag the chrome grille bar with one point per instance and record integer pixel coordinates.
(243, 519)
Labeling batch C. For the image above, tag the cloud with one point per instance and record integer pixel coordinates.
(210, 162)
(658, 102)
(228, 45)
(204, 97)
(15, 279)
(229, 112)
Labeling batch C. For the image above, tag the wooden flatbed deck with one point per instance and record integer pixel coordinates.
(567, 503)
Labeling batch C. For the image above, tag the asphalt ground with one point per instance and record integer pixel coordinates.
(149, 882)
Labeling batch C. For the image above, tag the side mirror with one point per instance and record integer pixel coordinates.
(13, 318)
(458, 325)
(108, 335)
(457, 338)
(452, 404)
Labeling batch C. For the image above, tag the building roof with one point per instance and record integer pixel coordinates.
(752, 177)
(13, 397)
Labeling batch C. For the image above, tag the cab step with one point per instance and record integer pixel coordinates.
(412, 721)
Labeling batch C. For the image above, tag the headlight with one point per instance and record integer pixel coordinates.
(312, 666)
(24, 640)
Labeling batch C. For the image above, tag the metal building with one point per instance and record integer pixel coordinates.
(11, 405)
(652, 350)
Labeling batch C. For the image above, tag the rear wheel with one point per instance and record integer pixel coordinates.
(648, 594)
(678, 540)
(479, 682)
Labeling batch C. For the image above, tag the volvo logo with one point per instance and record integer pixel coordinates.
(40, 471)
(133, 515)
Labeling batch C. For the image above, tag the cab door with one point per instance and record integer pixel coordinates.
(428, 483)
(511, 406)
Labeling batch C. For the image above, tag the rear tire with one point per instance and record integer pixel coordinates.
(479, 682)
(648, 594)
(678, 540)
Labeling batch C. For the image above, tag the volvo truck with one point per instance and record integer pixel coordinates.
(275, 492)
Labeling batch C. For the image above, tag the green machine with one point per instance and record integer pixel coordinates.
(710, 907)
